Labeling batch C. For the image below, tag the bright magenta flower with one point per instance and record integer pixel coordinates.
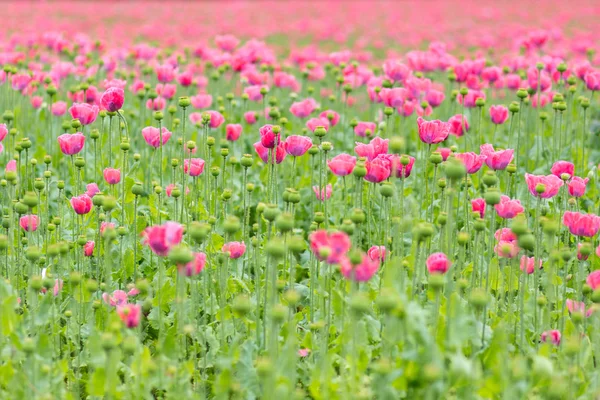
(438, 263)
(71, 144)
(130, 314)
(329, 247)
(324, 193)
(528, 264)
(378, 170)
(342, 164)
(362, 272)
(473, 162)
(496, 160)
(152, 136)
(265, 154)
(373, 149)
(81, 204)
(195, 266)
(508, 208)
(552, 336)
(233, 132)
(29, 223)
(112, 100)
(84, 112)
(577, 186)
(362, 128)
(561, 168)
(161, 238)
(581, 224)
(88, 248)
(550, 183)
(112, 176)
(297, 146)
(193, 167)
(498, 114)
(432, 132)
(478, 206)
(377, 253)
(235, 249)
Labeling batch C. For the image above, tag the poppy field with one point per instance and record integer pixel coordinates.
(320, 200)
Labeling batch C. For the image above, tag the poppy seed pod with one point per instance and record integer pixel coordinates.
(319, 217)
(297, 244)
(358, 216)
(109, 203)
(271, 212)
(396, 144)
(442, 218)
(479, 225)
(284, 222)
(184, 102)
(320, 131)
(347, 227)
(386, 189)
(435, 158)
(526, 241)
(275, 248)
(492, 196)
(180, 255)
(522, 93)
(490, 178)
(231, 224)
(30, 199)
(455, 169)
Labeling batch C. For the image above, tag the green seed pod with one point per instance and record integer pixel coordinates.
(284, 222)
(231, 225)
(242, 305)
(275, 248)
(271, 212)
(320, 131)
(442, 218)
(386, 189)
(180, 255)
(360, 170)
(108, 203)
(435, 158)
(297, 244)
(319, 217)
(79, 162)
(39, 184)
(136, 189)
(479, 225)
(455, 170)
(184, 102)
(21, 208)
(396, 144)
(347, 227)
(30, 199)
(246, 161)
(492, 196)
(526, 241)
(479, 298)
(359, 304)
(358, 216)
(522, 93)
(490, 178)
